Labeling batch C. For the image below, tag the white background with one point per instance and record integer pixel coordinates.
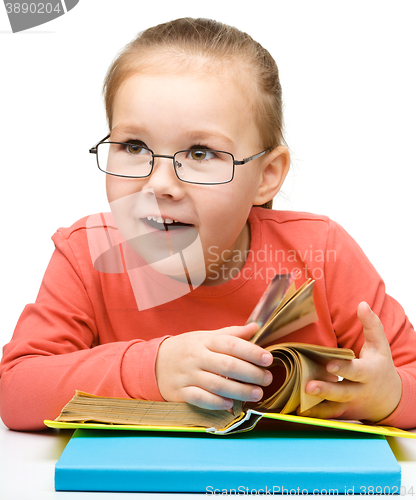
(348, 74)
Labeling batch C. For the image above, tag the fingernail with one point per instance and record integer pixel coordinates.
(228, 404)
(368, 307)
(333, 368)
(257, 394)
(268, 378)
(305, 413)
(265, 359)
(315, 392)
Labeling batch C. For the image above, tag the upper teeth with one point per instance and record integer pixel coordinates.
(161, 220)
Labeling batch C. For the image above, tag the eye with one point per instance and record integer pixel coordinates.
(135, 147)
(201, 154)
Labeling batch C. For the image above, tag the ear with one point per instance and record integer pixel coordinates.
(273, 173)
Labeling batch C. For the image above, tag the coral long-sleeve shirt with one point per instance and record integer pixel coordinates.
(95, 331)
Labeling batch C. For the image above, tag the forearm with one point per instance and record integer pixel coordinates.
(36, 387)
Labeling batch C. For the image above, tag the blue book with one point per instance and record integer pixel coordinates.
(331, 462)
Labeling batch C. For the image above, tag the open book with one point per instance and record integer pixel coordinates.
(281, 310)
(302, 362)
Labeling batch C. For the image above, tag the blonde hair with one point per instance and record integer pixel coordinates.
(218, 42)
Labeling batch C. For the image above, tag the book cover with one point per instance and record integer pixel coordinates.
(288, 462)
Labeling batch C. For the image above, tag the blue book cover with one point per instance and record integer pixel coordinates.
(288, 462)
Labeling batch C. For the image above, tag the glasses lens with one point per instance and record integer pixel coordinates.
(131, 160)
(204, 166)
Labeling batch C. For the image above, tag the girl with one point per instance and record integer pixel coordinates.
(146, 302)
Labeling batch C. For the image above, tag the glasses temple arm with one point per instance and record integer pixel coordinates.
(246, 160)
(93, 150)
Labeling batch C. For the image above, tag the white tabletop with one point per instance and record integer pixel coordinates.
(27, 467)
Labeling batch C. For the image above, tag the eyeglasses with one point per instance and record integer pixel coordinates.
(196, 166)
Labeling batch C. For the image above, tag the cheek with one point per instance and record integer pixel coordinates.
(226, 206)
(109, 188)
(242, 190)
(117, 187)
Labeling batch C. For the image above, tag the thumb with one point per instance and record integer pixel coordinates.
(375, 338)
(245, 332)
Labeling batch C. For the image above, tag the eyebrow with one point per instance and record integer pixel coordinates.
(194, 135)
(127, 129)
(204, 135)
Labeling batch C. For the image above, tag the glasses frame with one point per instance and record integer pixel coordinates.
(94, 150)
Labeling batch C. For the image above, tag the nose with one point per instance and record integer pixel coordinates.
(158, 159)
(162, 156)
(163, 179)
(165, 163)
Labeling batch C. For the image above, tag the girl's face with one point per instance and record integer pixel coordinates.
(169, 111)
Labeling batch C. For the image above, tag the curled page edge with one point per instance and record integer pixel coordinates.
(245, 424)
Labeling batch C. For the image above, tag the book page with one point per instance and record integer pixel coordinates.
(85, 407)
(321, 354)
(302, 362)
(279, 399)
(279, 290)
(310, 370)
(293, 312)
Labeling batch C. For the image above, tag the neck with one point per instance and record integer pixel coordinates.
(232, 261)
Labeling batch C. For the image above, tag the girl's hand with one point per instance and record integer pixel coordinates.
(371, 387)
(210, 369)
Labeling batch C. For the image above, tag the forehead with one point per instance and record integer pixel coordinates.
(193, 91)
(201, 73)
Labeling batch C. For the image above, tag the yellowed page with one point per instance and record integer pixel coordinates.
(300, 309)
(309, 371)
(294, 400)
(89, 408)
(289, 294)
(273, 335)
(280, 398)
(322, 354)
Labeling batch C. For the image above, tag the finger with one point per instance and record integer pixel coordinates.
(237, 347)
(204, 399)
(375, 338)
(326, 409)
(340, 392)
(245, 332)
(228, 388)
(235, 368)
(356, 370)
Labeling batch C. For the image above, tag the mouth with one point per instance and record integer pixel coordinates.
(164, 224)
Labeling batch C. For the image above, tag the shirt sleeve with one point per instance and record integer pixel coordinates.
(56, 350)
(350, 279)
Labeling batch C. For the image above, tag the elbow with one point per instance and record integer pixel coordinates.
(17, 420)
(15, 423)
(17, 411)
